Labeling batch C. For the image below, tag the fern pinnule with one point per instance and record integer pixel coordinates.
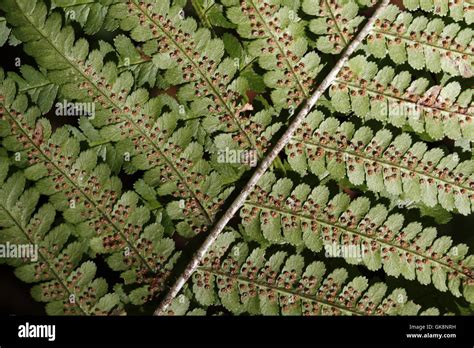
(40, 90)
(184, 304)
(133, 59)
(92, 16)
(5, 31)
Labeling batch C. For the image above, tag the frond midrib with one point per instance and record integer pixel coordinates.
(424, 43)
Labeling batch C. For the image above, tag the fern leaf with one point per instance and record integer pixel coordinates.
(66, 287)
(173, 163)
(88, 196)
(190, 56)
(280, 214)
(254, 281)
(278, 42)
(172, 91)
(405, 169)
(336, 24)
(394, 98)
(458, 10)
(140, 251)
(6, 35)
(423, 43)
(54, 160)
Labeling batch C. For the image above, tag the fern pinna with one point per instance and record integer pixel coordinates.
(257, 282)
(67, 286)
(396, 165)
(423, 43)
(88, 196)
(167, 154)
(280, 213)
(395, 98)
(142, 182)
(276, 40)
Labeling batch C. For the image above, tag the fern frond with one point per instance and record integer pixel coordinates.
(423, 43)
(174, 164)
(278, 213)
(397, 165)
(253, 281)
(187, 95)
(336, 24)
(141, 252)
(66, 287)
(190, 56)
(458, 9)
(87, 194)
(394, 98)
(172, 161)
(278, 42)
(54, 159)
